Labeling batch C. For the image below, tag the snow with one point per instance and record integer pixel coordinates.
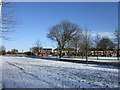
(105, 59)
(112, 58)
(0, 72)
(22, 72)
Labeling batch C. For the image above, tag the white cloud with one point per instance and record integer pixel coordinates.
(104, 34)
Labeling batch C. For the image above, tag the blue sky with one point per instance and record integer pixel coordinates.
(36, 18)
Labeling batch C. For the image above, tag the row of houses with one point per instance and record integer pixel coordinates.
(74, 52)
(45, 52)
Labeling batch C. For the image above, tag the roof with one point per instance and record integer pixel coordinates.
(65, 49)
(47, 48)
(43, 52)
(102, 50)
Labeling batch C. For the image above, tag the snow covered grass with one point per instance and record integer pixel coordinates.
(104, 58)
(0, 72)
(21, 72)
(100, 59)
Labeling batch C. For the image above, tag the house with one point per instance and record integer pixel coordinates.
(92, 52)
(109, 52)
(65, 51)
(45, 51)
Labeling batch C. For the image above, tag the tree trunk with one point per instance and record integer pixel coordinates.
(97, 54)
(86, 57)
(118, 50)
(118, 54)
(76, 53)
(68, 53)
(60, 55)
(82, 55)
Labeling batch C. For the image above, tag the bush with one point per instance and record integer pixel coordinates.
(29, 53)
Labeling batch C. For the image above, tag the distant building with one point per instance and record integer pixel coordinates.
(92, 52)
(110, 52)
(45, 51)
(65, 51)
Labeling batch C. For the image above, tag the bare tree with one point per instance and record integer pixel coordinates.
(117, 35)
(8, 19)
(63, 33)
(106, 44)
(74, 43)
(97, 41)
(36, 48)
(14, 51)
(86, 43)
